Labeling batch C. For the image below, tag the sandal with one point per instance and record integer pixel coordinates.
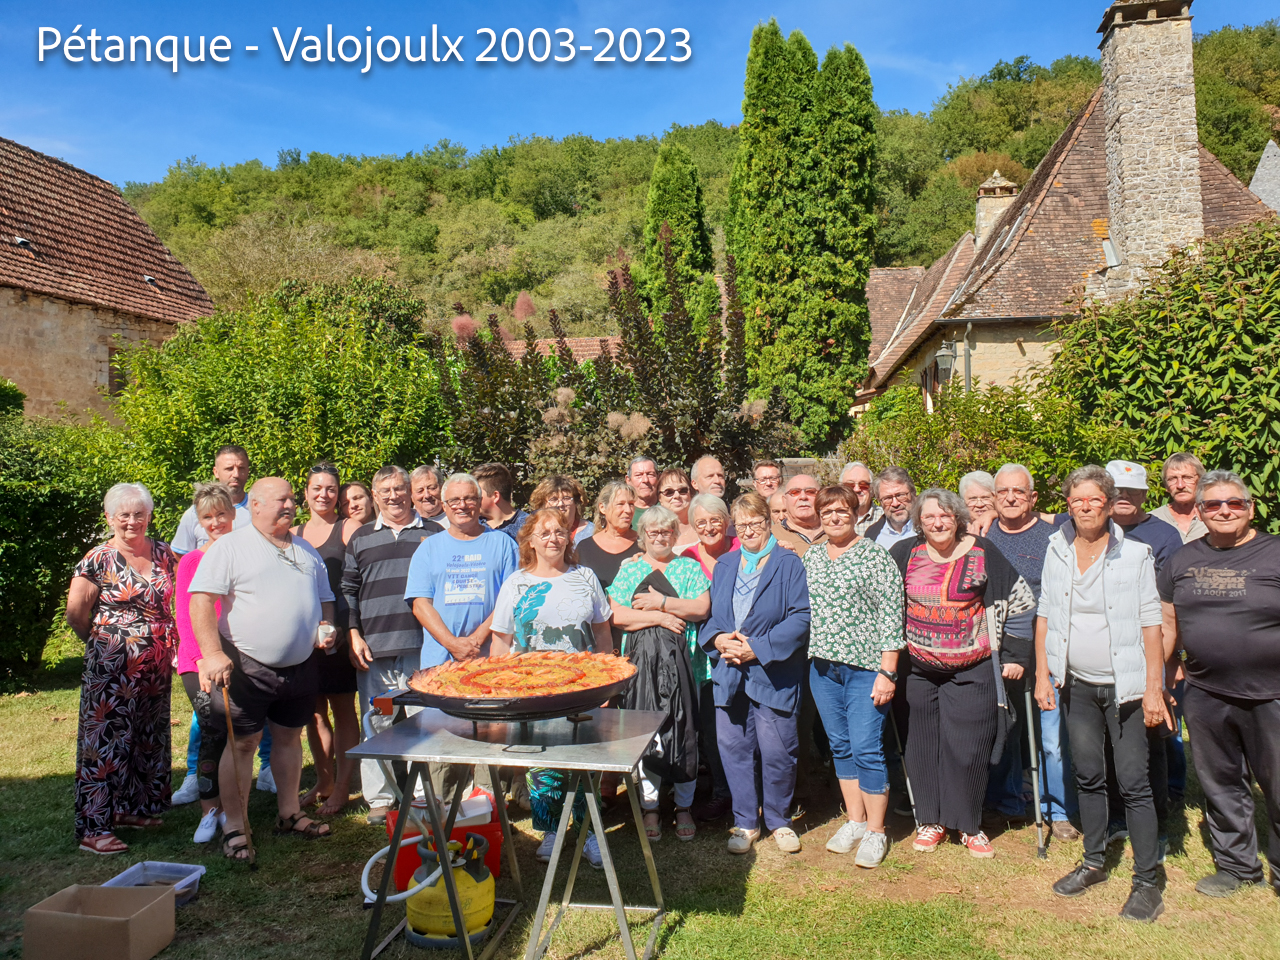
(685, 827)
(237, 851)
(104, 845)
(133, 822)
(652, 825)
(290, 826)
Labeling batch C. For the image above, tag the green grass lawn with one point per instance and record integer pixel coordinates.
(304, 902)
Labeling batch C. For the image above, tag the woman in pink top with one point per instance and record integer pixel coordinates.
(216, 514)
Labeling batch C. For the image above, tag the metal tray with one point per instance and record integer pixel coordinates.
(516, 709)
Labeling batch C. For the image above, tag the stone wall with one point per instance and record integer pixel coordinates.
(59, 353)
(998, 352)
(1153, 161)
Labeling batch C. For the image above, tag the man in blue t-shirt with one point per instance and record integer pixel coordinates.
(1131, 493)
(454, 578)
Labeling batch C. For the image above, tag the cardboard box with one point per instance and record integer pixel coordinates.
(106, 923)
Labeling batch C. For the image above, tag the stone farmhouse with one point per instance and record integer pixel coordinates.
(1127, 181)
(81, 275)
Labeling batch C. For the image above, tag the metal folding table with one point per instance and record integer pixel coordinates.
(597, 742)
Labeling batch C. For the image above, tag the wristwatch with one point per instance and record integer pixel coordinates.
(891, 677)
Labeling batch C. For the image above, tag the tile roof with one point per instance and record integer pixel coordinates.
(1225, 200)
(582, 348)
(928, 302)
(889, 291)
(86, 244)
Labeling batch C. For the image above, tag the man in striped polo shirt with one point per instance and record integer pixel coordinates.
(386, 640)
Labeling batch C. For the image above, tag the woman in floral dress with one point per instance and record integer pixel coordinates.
(121, 604)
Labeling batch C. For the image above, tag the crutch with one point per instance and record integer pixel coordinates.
(902, 753)
(241, 794)
(1041, 849)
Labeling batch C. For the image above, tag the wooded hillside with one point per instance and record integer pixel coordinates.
(549, 216)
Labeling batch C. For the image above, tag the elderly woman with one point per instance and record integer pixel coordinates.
(675, 492)
(658, 598)
(757, 638)
(855, 592)
(978, 491)
(121, 604)
(551, 603)
(216, 515)
(1222, 598)
(355, 502)
(960, 591)
(328, 531)
(566, 495)
(1098, 631)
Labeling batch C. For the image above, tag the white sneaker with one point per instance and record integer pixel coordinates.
(591, 851)
(871, 850)
(209, 826)
(189, 792)
(543, 853)
(741, 841)
(847, 836)
(266, 782)
(787, 840)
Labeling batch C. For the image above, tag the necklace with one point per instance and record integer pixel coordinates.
(291, 558)
(1094, 549)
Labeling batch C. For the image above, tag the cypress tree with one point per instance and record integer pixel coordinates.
(675, 198)
(801, 225)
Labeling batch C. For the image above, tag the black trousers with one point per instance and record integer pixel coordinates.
(1230, 737)
(1093, 715)
(952, 717)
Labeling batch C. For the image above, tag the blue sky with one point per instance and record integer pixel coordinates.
(131, 121)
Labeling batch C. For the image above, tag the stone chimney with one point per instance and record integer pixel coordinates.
(994, 198)
(1153, 157)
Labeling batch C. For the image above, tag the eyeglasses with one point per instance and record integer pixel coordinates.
(771, 481)
(753, 526)
(987, 498)
(838, 514)
(1176, 480)
(860, 485)
(714, 523)
(1018, 493)
(457, 502)
(1234, 504)
(551, 536)
(896, 498)
(803, 491)
(1095, 502)
(668, 534)
(566, 501)
(674, 492)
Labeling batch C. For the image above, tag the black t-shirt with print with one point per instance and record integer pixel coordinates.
(1228, 604)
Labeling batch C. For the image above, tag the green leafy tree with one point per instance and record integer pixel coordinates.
(802, 224)
(1238, 93)
(675, 199)
(1191, 362)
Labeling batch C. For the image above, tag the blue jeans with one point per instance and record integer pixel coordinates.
(1057, 784)
(1174, 749)
(854, 724)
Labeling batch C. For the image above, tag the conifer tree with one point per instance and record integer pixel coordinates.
(801, 225)
(675, 198)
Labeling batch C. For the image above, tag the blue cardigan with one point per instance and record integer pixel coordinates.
(777, 628)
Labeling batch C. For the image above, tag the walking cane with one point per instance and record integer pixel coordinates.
(903, 754)
(241, 795)
(1041, 850)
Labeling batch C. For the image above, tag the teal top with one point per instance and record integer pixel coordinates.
(688, 581)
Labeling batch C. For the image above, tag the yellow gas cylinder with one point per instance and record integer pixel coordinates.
(428, 909)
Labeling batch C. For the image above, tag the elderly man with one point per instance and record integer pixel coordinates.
(800, 528)
(642, 474)
(424, 487)
(386, 640)
(1131, 494)
(707, 476)
(454, 579)
(1221, 602)
(778, 508)
(231, 468)
(496, 509)
(895, 491)
(274, 594)
(1180, 475)
(1022, 536)
(857, 477)
(767, 475)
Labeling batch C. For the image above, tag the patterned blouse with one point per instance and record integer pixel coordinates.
(856, 601)
(688, 581)
(946, 619)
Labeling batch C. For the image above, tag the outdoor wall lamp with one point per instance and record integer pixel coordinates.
(946, 358)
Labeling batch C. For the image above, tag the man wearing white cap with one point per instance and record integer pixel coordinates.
(1131, 493)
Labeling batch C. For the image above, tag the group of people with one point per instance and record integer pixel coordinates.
(854, 615)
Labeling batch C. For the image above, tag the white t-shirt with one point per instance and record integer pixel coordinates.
(1089, 647)
(271, 597)
(551, 613)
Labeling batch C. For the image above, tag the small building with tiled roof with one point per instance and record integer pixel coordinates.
(1126, 182)
(80, 274)
(582, 348)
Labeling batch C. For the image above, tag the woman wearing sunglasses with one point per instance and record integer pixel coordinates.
(675, 492)
(1098, 630)
(1221, 594)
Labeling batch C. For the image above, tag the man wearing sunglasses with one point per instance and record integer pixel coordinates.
(800, 528)
(1221, 600)
(857, 477)
(896, 492)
